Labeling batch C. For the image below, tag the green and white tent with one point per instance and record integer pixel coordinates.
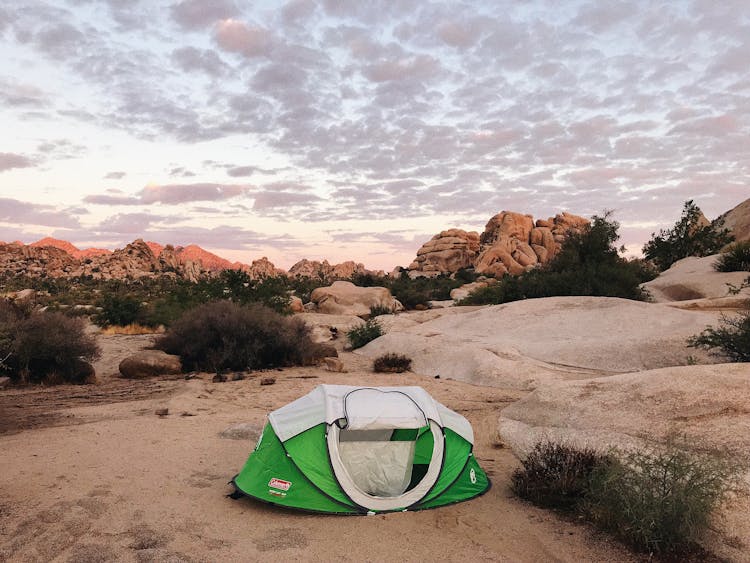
(360, 450)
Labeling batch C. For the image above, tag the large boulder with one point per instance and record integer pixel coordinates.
(149, 363)
(525, 343)
(737, 220)
(704, 407)
(694, 278)
(447, 252)
(345, 298)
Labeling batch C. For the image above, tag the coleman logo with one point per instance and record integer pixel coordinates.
(276, 493)
(279, 484)
(473, 476)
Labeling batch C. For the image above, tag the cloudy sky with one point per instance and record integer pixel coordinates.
(358, 129)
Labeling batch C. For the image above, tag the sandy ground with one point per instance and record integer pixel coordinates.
(91, 474)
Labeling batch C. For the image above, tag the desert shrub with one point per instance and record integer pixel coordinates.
(557, 475)
(659, 502)
(118, 309)
(364, 333)
(731, 338)
(222, 335)
(52, 347)
(688, 237)
(391, 363)
(588, 263)
(736, 258)
(377, 310)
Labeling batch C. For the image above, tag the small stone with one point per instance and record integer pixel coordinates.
(238, 377)
(161, 412)
(4, 382)
(190, 376)
(437, 376)
(333, 364)
(186, 413)
(242, 431)
(268, 381)
(218, 378)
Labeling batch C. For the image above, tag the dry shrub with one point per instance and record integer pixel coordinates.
(391, 363)
(133, 328)
(222, 335)
(53, 348)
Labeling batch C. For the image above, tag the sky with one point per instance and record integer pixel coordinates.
(345, 129)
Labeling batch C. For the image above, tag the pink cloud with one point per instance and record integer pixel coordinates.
(238, 37)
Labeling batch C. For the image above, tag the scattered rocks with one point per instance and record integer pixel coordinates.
(242, 431)
(268, 380)
(149, 363)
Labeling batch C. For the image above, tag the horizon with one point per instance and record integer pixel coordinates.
(344, 131)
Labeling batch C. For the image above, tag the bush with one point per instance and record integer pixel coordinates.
(588, 263)
(364, 333)
(53, 348)
(377, 310)
(735, 259)
(391, 363)
(688, 237)
(731, 338)
(222, 335)
(557, 475)
(118, 309)
(658, 502)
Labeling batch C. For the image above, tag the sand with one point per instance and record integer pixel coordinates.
(91, 473)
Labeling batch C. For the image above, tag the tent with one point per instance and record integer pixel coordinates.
(363, 450)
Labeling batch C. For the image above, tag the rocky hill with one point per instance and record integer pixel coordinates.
(511, 243)
(737, 220)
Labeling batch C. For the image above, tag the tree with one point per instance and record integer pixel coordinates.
(692, 235)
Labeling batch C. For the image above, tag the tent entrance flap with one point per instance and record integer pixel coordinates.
(379, 468)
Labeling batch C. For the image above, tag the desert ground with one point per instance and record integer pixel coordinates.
(93, 473)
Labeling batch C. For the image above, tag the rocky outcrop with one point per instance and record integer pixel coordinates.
(325, 271)
(447, 252)
(261, 268)
(510, 244)
(737, 220)
(36, 261)
(149, 363)
(345, 298)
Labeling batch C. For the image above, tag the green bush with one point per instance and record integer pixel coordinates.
(658, 502)
(377, 310)
(53, 348)
(731, 338)
(588, 263)
(688, 237)
(118, 309)
(391, 363)
(364, 333)
(222, 335)
(736, 258)
(557, 475)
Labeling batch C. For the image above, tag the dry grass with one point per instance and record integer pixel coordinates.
(133, 328)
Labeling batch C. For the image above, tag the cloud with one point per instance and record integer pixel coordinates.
(22, 213)
(190, 59)
(9, 161)
(238, 37)
(128, 223)
(185, 193)
(116, 175)
(195, 14)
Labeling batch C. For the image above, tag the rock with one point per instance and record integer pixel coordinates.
(161, 412)
(262, 268)
(148, 363)
(704, 407)
(238, 376)
(447, 252)
(24, 296)
(218, 378)
(296, 305)
(4, 382)
(525, 343)
(345, 298)
(268, 380)
(507, 225)
(330, 329)
(324, 271)
(737, 220)
(242, 431)
(694, 278)
(463, 292)
(333, 364)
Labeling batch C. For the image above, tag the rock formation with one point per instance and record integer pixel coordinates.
(323, 270)
(46, 261)
(737, 220)
(148, 363)
(510, 244)
(345, 298)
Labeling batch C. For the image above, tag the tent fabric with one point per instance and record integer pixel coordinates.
(356, 450)
(327, 403)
